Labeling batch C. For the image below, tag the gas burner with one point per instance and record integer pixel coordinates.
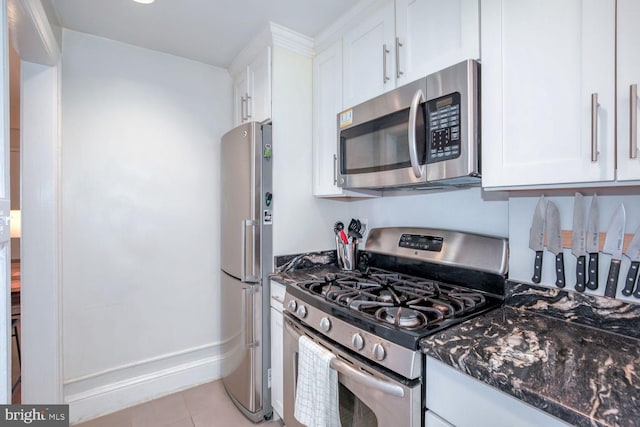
(402, 317)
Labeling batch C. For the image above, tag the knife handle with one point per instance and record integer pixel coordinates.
(537, 267)
(632, 275)
(637, 292)
(580, 272)
(612, 279)
(560, 270)
(593, 271)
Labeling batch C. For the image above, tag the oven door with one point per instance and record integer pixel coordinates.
(367, 397)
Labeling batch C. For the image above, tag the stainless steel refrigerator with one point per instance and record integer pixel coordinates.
(246, 260)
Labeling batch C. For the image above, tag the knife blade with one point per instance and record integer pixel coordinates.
(554, 241)
(593, 243)
(578, 244)
(613, 245)
(633, 252)
(536, 238)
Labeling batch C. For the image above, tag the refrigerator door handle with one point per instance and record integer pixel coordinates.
(247, 317)
(243, 249)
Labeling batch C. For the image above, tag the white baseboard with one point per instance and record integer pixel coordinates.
(102, 393)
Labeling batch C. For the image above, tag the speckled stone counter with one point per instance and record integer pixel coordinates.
(299, 268)
(544, 348)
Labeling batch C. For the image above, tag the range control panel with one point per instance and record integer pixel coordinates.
(421, 242)
(444, 128)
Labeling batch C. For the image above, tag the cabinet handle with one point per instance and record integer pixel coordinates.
(335, 169)
(248, 103)
(594, 127)
(633, 121)
(385, 51)
(399, 73)
(243, 103)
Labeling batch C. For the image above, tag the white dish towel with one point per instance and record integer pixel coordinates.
(317, 387)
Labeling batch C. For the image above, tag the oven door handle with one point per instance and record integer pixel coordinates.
(366, 380)
(418, 97)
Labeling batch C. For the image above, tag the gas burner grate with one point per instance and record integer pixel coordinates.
(405, 301)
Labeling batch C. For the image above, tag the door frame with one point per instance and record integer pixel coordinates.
(34, 38)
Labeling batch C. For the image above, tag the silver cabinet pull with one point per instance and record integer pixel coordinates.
(385, 77)
(335, 169)
(399, 72)
(243, 106)
(633, 121)
(418, 97)
(248, 103)
(594, 127)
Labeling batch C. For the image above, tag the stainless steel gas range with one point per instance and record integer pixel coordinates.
(410, 283)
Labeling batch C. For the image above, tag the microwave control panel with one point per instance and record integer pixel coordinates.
(444, 128)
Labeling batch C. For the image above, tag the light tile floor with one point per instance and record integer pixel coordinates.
(207, 405)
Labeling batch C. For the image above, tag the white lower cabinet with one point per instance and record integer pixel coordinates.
(448, 390)
(277, 394)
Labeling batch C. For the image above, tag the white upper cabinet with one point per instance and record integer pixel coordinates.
(252, 90)
(369, 52)
(628, 32)
(548, 78)
(434, 34)
(260, 80)
(327, 102)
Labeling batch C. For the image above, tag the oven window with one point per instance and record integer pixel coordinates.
(381, 144)
(353, 412)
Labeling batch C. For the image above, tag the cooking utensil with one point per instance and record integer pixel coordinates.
(338, 228)
(578, 244)
(536, 239)
(554, 241)
(613, 245)
(633, 252)
(593, 243)
(354, 228)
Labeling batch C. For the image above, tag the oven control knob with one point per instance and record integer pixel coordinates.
(292, 306)
(357, 341)
(378, 352)
(302, 311)
(325, 324)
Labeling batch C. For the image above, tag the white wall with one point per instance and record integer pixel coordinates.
(521, 208)
(140, 222)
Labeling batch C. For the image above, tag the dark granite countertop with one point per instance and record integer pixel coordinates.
(543, 349)
(573, 355)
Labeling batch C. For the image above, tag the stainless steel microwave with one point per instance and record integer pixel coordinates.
(423, 134)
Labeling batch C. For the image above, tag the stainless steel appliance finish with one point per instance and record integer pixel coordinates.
(411, 283)
(368, 397)
(246, 261)
(423, 134)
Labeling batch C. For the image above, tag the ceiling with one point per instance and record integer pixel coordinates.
(209, 31)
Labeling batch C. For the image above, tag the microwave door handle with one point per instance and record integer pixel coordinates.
(418, 97)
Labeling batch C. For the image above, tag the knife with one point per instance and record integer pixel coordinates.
(578, 242)
(554, 241)
(613, 245)
(536, 238)
(633, 252)
(593, 243)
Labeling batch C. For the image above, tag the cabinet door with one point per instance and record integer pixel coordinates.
(327, 103)
(628, 81)
(277, 394)
(434, 34)
(240, 94)
(260, 84)
(369, 52)
(541, 62)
